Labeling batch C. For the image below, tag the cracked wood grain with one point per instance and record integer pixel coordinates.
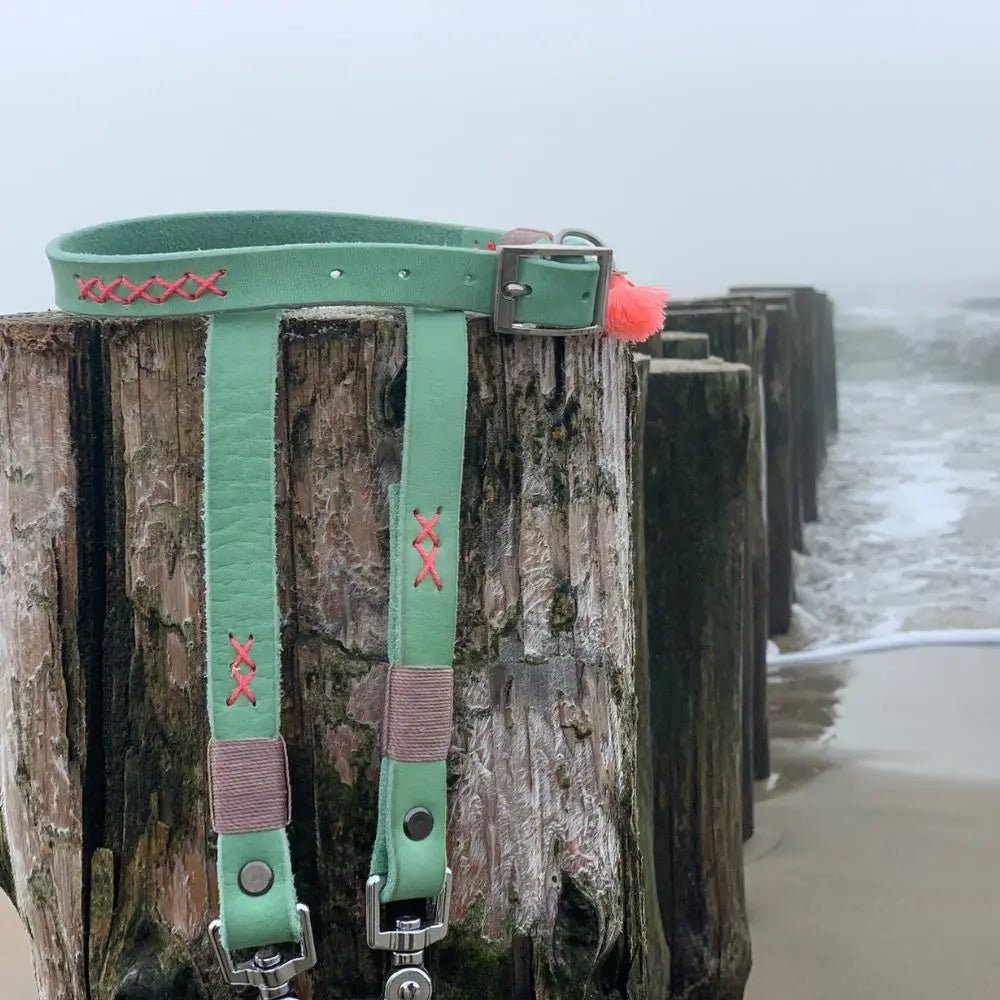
(103, 621)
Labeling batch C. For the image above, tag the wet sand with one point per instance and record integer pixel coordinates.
(876, 868)
(18, 978)
(875, 871)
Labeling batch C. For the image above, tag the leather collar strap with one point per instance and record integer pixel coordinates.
(221, 262)
(241, 269)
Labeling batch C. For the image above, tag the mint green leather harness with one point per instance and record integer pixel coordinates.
(241, 269)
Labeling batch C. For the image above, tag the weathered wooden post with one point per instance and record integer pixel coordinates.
(736, 330)
(698, 429)
(813, 421)
(810, 393)
(651, 348)
(784, 511)
(684, 345)
(829, 335)
(102, 645)
(657, 950)
(811, 307)
(784, 518)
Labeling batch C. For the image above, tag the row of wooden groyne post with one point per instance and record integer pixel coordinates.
(785, 337)
(628, 529)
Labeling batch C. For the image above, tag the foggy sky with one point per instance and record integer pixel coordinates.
(852, 144)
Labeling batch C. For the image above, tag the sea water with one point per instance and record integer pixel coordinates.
(908, 540)
(909, 503)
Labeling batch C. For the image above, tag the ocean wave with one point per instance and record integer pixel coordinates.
(958, 343)
(909, 530)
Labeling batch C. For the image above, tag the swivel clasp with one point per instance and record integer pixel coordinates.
(268, 970)
(408, 980)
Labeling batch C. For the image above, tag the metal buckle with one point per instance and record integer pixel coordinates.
(405, 939)
(509, 290)
(266, 970)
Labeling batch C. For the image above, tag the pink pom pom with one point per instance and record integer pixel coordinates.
(635, 312)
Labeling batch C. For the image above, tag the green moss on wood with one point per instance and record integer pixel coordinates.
(604, 486)
(333, 822)
(563, 776)
(467, 964)
(563, 613)
(42, 888)
(102, 902)
(577, 941)
(6, 871)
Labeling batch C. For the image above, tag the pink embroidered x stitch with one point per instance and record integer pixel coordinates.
(154, 289)
(428, 556)
(242, 680)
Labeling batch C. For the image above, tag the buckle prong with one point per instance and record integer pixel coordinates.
(514, 290)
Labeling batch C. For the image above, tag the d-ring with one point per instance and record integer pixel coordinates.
(582, 234)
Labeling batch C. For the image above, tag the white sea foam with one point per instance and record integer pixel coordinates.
(909, 536)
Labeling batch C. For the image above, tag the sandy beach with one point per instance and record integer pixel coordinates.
(19, 980)
(875, 871)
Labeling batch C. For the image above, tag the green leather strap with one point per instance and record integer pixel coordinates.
(241, 597)
(241, 268)
(270, 260)
(422, 615)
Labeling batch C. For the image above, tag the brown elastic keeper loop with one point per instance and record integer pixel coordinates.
(248, 785)
(525, 236)
(418, 713)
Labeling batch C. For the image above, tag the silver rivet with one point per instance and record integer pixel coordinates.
(256, 878)
(404, 273)
(418, 823)
(336, 273)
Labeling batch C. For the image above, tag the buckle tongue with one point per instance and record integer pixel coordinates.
(266, 970)
(509, 289)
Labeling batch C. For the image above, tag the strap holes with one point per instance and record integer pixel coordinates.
(336, 273)
(404, 272)
(585, 297)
